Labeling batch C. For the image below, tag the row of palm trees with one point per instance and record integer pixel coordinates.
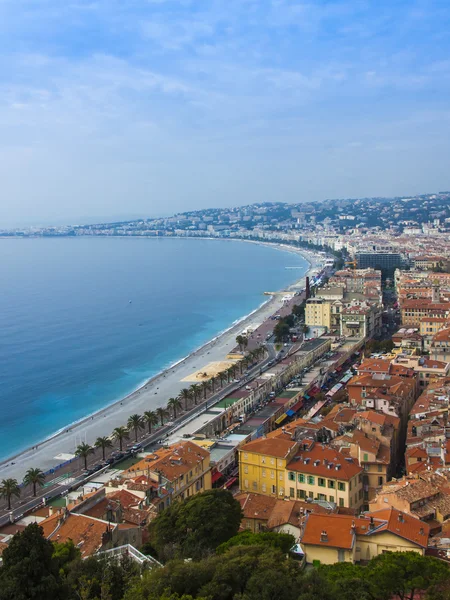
(10, 488)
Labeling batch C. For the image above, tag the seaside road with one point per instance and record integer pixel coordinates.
(74, 470)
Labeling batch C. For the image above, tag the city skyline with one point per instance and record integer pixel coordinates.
(170, 106)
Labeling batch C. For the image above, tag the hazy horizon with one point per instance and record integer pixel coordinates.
(141, 109)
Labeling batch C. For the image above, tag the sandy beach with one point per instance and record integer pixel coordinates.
(150, 396)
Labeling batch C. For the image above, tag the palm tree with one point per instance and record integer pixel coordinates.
(162, 414)
(229, 372)
(9, 488)
(196, 391)
(34, 477)
(240, 341)
(103, 443)
(223, 377)
(212, 381)
(174, 404)
(120, 434)
(151, 418)
(185, 395)
(205, 388)
(83, 451)
(135, 422)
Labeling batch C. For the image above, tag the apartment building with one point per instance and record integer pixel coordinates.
(184, 467)
(440, 346)
(320, 472)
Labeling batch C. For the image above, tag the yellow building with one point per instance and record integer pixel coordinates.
(184, 468)
(327, 539)
(322, 473)
(318, 313)
(278, 467)
(262, 465)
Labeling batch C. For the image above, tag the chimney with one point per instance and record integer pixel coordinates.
(371, 524)
(400, 517)
(324, 536)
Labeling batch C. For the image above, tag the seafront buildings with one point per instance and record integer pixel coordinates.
(342, 441)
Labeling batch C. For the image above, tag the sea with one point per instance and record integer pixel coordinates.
(84, 321)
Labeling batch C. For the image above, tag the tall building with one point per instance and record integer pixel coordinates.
(386, 262)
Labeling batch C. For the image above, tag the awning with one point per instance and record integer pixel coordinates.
(306, 397)
(297, 406)
(280, 419)
(216, 476)
(290, 412)
(230, 482)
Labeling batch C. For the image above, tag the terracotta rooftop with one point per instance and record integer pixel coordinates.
(405, 525)
(278, 447)
(324, 461)
(172, 462)
(442, 336)
(85, 532)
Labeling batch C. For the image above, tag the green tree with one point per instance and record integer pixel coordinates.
(281, 541)
(120, 434)
(197, 525)
(162, 414)
(150, 418)
(103, 443)
(135, 422)
(205, 387)
(196, 391)
(404, 573)
(34, 477)
(29, 571)
(83, 451)
(8, 489)
(185, 395)
(174, 404)
(281, 331)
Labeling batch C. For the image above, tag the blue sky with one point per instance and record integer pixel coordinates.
(116, 108)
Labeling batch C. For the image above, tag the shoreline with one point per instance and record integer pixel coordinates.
(124, 406)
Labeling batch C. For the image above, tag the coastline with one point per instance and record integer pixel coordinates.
(153, 393)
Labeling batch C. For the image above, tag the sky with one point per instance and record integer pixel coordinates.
(127, 108)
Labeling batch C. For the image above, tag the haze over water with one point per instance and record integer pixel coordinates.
(71, 341)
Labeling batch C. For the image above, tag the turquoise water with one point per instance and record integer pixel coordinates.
(84, 321)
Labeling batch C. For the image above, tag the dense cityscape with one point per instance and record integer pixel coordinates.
(321, 438)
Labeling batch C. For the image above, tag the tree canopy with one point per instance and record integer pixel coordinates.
(196, 526)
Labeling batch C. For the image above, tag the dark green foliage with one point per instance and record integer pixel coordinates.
(281, 541)
(29, 571)
(195, 527)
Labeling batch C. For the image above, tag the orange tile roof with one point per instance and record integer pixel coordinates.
(405, 525)
(172, 462)
(338, 529)
(278, 447)
(320, 458)
(442, 336)
(85, 532)
(126, 498)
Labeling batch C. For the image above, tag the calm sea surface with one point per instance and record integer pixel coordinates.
(70, 340)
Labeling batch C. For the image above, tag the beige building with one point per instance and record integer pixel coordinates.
(327, 539)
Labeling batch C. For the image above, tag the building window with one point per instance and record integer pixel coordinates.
(341, 501)
(263, 487)
(255, 486)
(263, 460)
(274, 489)
(301, 478)
(272, 474)
(272, 461)
(311, 480)
(331, 484)
(245, 456)
(380, 468)
(281, 476)
(301, 494)
(246, 483)
(331, 498)
(380, 481)
(281, 491)
(291, 476)
(245, 468)
(321, 482)
(341, 486)
(366, 457)
(310, 494)
(291, 492)
(263, 472)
